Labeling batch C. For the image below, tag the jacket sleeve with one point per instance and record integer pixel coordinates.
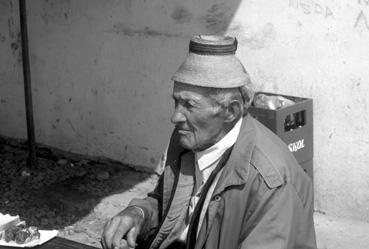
(281, 220)
(151, 205)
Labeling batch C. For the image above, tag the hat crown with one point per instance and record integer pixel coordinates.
(213, 45)
(211, 62)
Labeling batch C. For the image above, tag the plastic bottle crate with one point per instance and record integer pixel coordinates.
(294, 125)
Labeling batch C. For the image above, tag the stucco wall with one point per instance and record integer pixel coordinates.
(101, 76)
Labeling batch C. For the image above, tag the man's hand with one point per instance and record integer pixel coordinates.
(122, 230)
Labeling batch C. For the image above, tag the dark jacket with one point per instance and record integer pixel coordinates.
(263, 198)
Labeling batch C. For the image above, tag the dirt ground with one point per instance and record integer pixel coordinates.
(67, 192)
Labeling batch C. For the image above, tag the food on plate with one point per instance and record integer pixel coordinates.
(20, 233)
(7, 220)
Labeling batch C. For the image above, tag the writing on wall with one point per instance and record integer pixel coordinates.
(361, 20)
(312, 8)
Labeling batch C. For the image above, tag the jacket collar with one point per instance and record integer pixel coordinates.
(207, 157)
(236, 169)
(235, 172)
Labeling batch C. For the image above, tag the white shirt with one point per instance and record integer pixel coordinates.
(206, 161)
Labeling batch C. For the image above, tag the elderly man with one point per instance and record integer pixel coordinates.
(227, 182)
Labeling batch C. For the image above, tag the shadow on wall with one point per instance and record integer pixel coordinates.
(175, 18)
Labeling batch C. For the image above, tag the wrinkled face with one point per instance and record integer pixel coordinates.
(199, 122)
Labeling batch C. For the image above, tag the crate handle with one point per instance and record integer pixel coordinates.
(294, 121)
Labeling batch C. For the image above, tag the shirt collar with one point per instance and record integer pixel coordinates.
(208, 156)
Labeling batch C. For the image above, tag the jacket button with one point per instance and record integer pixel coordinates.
(217, 198)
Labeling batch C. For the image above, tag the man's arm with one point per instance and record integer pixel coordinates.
(122, 230)
(151, 207)
(139, 218)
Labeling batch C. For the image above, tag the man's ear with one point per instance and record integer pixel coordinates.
(234, 111)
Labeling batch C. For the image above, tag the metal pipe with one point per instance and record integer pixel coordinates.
(27, 85)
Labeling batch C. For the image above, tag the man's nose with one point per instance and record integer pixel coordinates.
(178, 116)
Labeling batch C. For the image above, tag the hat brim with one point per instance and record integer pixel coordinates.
(225, 71)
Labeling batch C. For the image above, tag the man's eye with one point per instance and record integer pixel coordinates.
(189, 104)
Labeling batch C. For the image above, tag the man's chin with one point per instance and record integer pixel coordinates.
(185, 143)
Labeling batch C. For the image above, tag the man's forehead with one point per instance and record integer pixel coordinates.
(186, 91)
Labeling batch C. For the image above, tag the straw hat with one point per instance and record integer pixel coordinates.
(211, 62)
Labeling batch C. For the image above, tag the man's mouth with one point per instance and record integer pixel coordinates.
(183, 131)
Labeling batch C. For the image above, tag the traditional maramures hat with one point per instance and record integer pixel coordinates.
(211, 62)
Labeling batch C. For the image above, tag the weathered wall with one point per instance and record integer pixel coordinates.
(12, 111)
(101, 76)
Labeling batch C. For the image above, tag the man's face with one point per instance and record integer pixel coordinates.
(199, 122)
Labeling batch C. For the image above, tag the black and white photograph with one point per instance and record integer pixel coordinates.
(157, 124)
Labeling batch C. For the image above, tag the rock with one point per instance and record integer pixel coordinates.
(83, 162)
(68, 228)
(45, 153)
(7, 148)
(102, 175)
(62, 162)
(50, 214)
(81, 173)
(25, 172)
(44, 221)
(79, 229)
(59, 220)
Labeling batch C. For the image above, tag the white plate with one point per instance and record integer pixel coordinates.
(45, 235)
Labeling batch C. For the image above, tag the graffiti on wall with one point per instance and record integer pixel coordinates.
(311, 8)
(361, 20)
(14, 35)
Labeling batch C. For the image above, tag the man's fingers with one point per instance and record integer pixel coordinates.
(114, 230)
(125, 224)
(123, 244)
(107, 235)
(110, 230)
(123, 227)
(132, 236)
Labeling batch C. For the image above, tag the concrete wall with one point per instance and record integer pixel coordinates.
(101, 76)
